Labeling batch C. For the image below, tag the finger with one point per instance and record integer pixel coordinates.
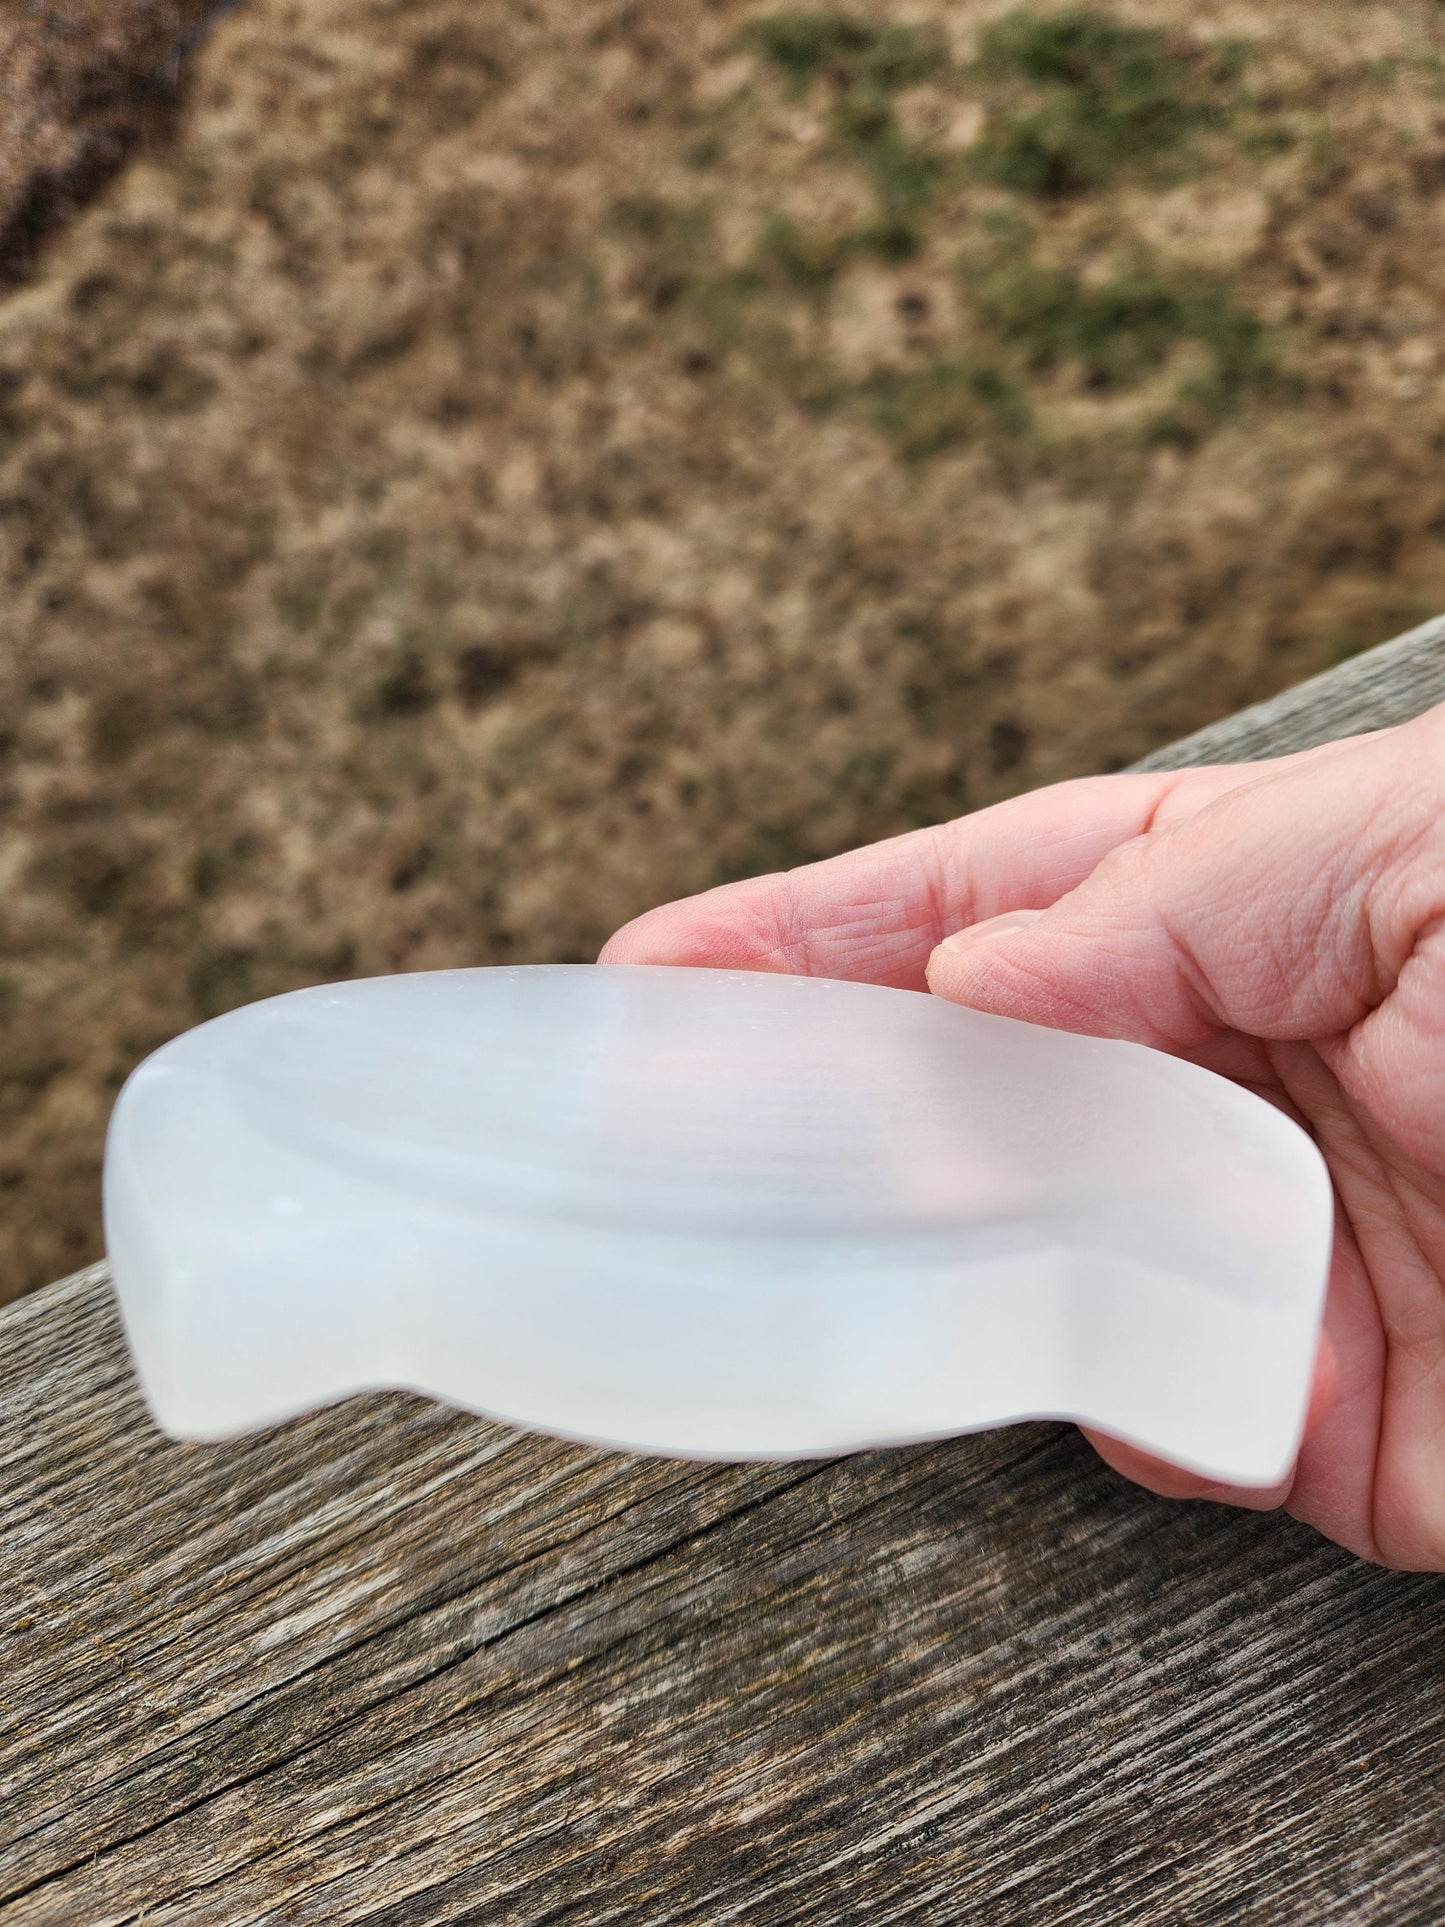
(1339, 1478)
(1173, 1482)
(1264, 912)
(875, 914)
(1392, 1060)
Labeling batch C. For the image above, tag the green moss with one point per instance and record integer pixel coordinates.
(806, 259)
(926, 410)
(723, 307)
(707, 152)
(1123, 329)
(1114, 89)
(853, 52)
(660, 223)
(1083, 48)
(816, 384)
(1085, 95)
(891, 239)
(866, 65)
(904, 175)
(804, 45)
(1269, 140)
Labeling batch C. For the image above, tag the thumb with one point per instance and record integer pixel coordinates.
(1284, 909)
(1104, 960)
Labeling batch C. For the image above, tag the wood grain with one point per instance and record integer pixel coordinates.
(391, 1664)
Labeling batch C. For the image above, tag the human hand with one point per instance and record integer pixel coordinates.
(1281, 923)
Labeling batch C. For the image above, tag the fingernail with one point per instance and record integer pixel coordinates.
(990, 927)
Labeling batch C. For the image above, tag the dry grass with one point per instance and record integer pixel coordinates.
(83, 85)
(497, 468)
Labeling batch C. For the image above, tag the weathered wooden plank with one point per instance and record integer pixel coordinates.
(394, 1664)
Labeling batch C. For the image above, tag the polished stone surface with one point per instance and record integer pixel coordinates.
(712, 1213)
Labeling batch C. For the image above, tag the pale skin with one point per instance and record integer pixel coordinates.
(1281, 923)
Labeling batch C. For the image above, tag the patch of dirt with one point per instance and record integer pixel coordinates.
(493, 469)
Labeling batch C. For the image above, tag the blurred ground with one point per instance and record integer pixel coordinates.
(491, 469)
(83, 85)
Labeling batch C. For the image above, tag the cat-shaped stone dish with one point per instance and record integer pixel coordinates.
(713, 1214)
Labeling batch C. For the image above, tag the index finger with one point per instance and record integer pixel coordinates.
(875, 914)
